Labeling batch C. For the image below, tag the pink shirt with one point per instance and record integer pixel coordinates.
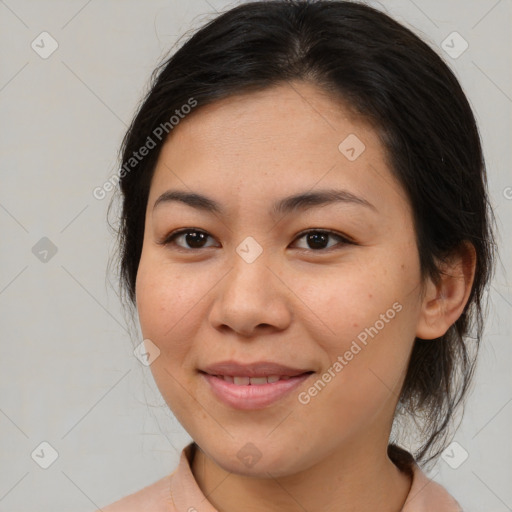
(179, 492)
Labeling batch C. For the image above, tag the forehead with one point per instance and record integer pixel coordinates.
(279, 117)
(289, 137)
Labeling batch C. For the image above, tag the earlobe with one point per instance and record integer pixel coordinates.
(444, 301)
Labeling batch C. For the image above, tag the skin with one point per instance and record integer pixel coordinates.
(295, 304)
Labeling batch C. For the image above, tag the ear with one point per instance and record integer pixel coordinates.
(444, 301)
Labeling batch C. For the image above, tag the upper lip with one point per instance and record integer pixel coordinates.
(256, 369)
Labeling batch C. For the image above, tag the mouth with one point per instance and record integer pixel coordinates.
(252, 386)
(253, 381)
(257, 369)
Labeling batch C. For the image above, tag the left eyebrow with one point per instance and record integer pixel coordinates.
(301, 201)
(319, 198)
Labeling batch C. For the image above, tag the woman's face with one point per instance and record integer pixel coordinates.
(248, 284)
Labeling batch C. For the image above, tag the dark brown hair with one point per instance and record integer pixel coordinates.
(405, 90)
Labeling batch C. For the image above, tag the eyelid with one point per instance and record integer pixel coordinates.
(169, 239)
(344, 238)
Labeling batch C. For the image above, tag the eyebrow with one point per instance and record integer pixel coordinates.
(301, 201)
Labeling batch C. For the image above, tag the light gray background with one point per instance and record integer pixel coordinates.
(68, 375)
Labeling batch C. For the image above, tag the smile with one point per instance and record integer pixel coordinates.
(253, 381)
(246, 393)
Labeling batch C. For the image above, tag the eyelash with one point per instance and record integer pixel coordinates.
(169, 239)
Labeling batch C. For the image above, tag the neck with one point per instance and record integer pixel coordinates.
(351, 479)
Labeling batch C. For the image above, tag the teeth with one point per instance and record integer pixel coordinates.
(241, 381)
(254, 381)
(258, 381)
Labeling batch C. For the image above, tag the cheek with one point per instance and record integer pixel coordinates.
(347, 299)
(366, 316)
(167, 303)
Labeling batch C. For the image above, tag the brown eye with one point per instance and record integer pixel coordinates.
(192, 238)
(318, 240)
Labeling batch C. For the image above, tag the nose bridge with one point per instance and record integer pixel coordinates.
(250, 294)
(250, 276)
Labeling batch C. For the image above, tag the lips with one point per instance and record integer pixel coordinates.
(253, 370)
(253, 381)
(252, 386)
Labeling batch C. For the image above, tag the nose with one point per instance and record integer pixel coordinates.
(250, 300)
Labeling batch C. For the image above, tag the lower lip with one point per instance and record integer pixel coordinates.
(253, 396)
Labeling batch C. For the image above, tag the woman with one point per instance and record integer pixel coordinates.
(306, 237)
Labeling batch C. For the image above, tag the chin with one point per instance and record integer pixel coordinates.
(259, 462)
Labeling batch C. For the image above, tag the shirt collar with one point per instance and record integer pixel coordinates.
(425, 495)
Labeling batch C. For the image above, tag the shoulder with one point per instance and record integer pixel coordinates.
(179, 487)
(425, 494)
(155, 498)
